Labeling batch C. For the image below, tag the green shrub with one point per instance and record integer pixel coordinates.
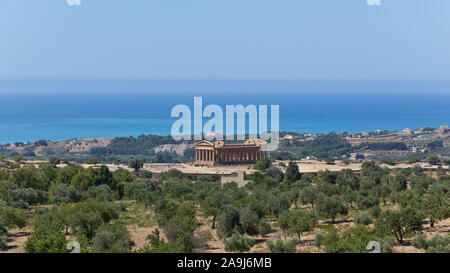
(87, 217)
(390, 161)
(375, 211)
(400, 222)
(354, 240)
(363, 219)
(264, 227)
(228, 221)
(141, 191)
(5, 187)
(176, 189)
(262, 164)
(387, 244)
(320, 237)
(66, 194)
(101, 193)
(239, 243)
(281, 247)
(420, 241)
(331, 207)
(433, 159)
(179, 222)
(46, 243)
(12, 217)
(276, 174)
(248, 221)
(112, 239)
(366, 202)
(27, 197)
(437, 244)
(412, 160)
(3, 232)
(49, 221)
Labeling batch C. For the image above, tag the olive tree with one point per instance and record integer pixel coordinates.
(239, 243)
(330, 207)
(400, 222)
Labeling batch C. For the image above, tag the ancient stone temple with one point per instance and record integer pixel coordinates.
(209, 153)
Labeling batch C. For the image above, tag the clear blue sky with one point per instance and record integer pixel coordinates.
(402, 39)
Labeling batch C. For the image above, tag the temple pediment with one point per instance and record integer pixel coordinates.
(204, 143)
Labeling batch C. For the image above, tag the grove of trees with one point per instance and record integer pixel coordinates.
(96, 206)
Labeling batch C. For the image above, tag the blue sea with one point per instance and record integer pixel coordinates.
(66, 109)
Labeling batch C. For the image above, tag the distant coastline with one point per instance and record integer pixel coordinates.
(379, 145)
(65, 109)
